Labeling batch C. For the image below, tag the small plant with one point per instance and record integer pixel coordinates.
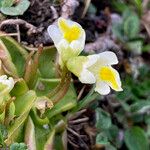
(127, 31)
(14, 8)
(40, 88)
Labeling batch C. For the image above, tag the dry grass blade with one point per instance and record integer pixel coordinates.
(87, 4)
(146, 21)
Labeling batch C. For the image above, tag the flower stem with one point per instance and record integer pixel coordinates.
(64, 77)
(62, 92)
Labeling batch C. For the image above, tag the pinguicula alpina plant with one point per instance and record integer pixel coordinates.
(37, 92)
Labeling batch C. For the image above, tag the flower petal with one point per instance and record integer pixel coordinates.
(72, 64)
(3, 77)
(8, 82)
(117, 80)
(107, 58)
(87, 77)
(102, 88)
(72, 31)
(92, 59)
(76, 46)
(68, 22)
(55, 34)
(62, 46)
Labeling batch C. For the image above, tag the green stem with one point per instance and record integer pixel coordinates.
(63, 89)
(87, 99)
(60, 85)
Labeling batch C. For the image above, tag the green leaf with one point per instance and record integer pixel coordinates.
(135, 46)
(49, 143)
(146, 48)
(140, 106)
(41, 134)
(37, 120)
(126, 13)
(3, 134)
(92, 9)
(118, 31)
(110, 147)
(138, 2)
(119, 5)
(113, 135)
(44, 86)
(18, 146)
(17, 54)
(103, 120)
(20, 88)
(102, 139)
(47, 63)
(59, 142)
(24, 102)
(68, 102)
(6, 3)
(10, 113)
(2, 117)
(15, 130)
(7, 61)
(0, 4)
(136, 139)
(91, 96)
(19, 9)
(131, 26)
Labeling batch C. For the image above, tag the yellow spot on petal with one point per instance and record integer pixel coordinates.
(70, 33)
(107, 74)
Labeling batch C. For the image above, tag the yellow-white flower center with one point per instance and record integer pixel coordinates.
(70, 33)
(107, 74)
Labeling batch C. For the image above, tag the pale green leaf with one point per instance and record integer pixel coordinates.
(6, 3)
(66, 103)
(140, 106)
(131, 26)
(102, 139)
(24, 102)
(16, 54)
(103, 120)
(136, 139)
(18, 146)
(47, 63)
(19, 9)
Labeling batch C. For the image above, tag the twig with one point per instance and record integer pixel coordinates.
(8, 34)
(18, 33)
(64, 90)
(73, 144)
(68, 8)
(73, 132)
(36, 49)
(87, 4)
(9, 72)
(79, 120)
(101, 44)
(31, 28)
(54, 12)
(81, 92)
(145, 4)
(77, 114)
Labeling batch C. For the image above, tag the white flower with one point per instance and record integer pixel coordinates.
(8, 82)
(97, 69)
(68, 37)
